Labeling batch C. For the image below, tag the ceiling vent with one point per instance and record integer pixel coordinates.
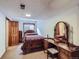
(22, 6)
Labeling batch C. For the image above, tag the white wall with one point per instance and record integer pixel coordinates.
(7, 32)
(70, 16)
(78, 25)
(25, 21)
(2, 35)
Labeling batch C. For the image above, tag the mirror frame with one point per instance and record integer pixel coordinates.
(67, 31)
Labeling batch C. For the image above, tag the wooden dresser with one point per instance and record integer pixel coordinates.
(68, 54)
(65, 52)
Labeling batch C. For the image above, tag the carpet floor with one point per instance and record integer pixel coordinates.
(15, 52)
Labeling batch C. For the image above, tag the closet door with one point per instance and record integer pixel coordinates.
(13, 33)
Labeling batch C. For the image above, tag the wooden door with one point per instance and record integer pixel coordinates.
(13, 33)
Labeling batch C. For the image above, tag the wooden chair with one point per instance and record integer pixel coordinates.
(52, 53)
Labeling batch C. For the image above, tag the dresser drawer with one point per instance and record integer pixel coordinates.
(63, 54)
(64, 51)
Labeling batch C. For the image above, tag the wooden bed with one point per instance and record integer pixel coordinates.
(31, 40)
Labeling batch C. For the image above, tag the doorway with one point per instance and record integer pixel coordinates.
(12, 32)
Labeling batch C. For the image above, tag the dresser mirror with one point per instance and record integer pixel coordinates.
(61, 31)
(61, 35)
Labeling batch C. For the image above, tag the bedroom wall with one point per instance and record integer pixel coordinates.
(78, 25)
(21, 21)
(7, 32)
(2, 35)
(27, 21)
(70, 16)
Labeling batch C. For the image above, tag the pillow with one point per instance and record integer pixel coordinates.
(31, 33)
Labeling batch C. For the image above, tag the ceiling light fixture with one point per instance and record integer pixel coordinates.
(28, 15)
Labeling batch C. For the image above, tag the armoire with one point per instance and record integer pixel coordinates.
(13, 33)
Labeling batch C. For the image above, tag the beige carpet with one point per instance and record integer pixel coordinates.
(15, 53)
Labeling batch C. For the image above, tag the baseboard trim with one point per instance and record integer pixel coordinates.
(3, 54)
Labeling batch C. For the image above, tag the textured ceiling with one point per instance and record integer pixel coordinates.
(39, 9)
